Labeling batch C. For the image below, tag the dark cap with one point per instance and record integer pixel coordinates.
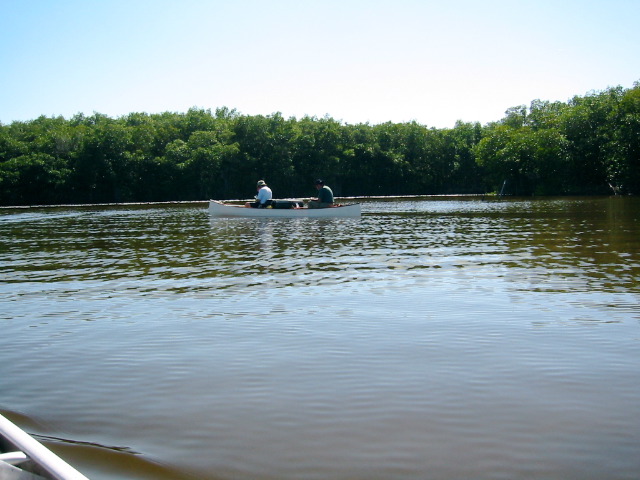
(319, 182)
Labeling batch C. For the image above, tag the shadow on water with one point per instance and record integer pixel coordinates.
(114, 464)
(94, 459)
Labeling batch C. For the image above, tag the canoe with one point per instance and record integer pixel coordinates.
(219, 209)
(22, 457)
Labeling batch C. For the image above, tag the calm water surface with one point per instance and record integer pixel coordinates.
(430, 339)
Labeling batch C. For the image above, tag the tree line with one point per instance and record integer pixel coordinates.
(587, 145)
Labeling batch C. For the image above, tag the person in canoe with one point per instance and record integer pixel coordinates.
(263, 198)
(325, 196)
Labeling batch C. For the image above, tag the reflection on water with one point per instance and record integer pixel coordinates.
(431, 338)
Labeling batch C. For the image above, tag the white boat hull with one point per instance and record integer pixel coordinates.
(219, 209)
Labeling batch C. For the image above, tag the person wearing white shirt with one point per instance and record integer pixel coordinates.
(263, 198)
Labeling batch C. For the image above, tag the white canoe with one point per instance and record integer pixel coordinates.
(219, 209)
(22, 457)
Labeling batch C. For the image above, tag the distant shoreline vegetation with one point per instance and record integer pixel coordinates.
(589, 145)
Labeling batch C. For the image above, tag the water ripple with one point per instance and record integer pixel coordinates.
(431, 338)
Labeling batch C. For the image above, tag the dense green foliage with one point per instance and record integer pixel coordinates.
(589, 145)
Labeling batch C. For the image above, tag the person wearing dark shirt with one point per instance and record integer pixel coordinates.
(325, 196)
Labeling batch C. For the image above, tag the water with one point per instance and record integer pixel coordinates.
(430, 339)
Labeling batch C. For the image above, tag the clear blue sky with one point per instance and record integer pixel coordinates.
(374, 61)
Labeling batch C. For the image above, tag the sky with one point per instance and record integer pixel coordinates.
(356, 61)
